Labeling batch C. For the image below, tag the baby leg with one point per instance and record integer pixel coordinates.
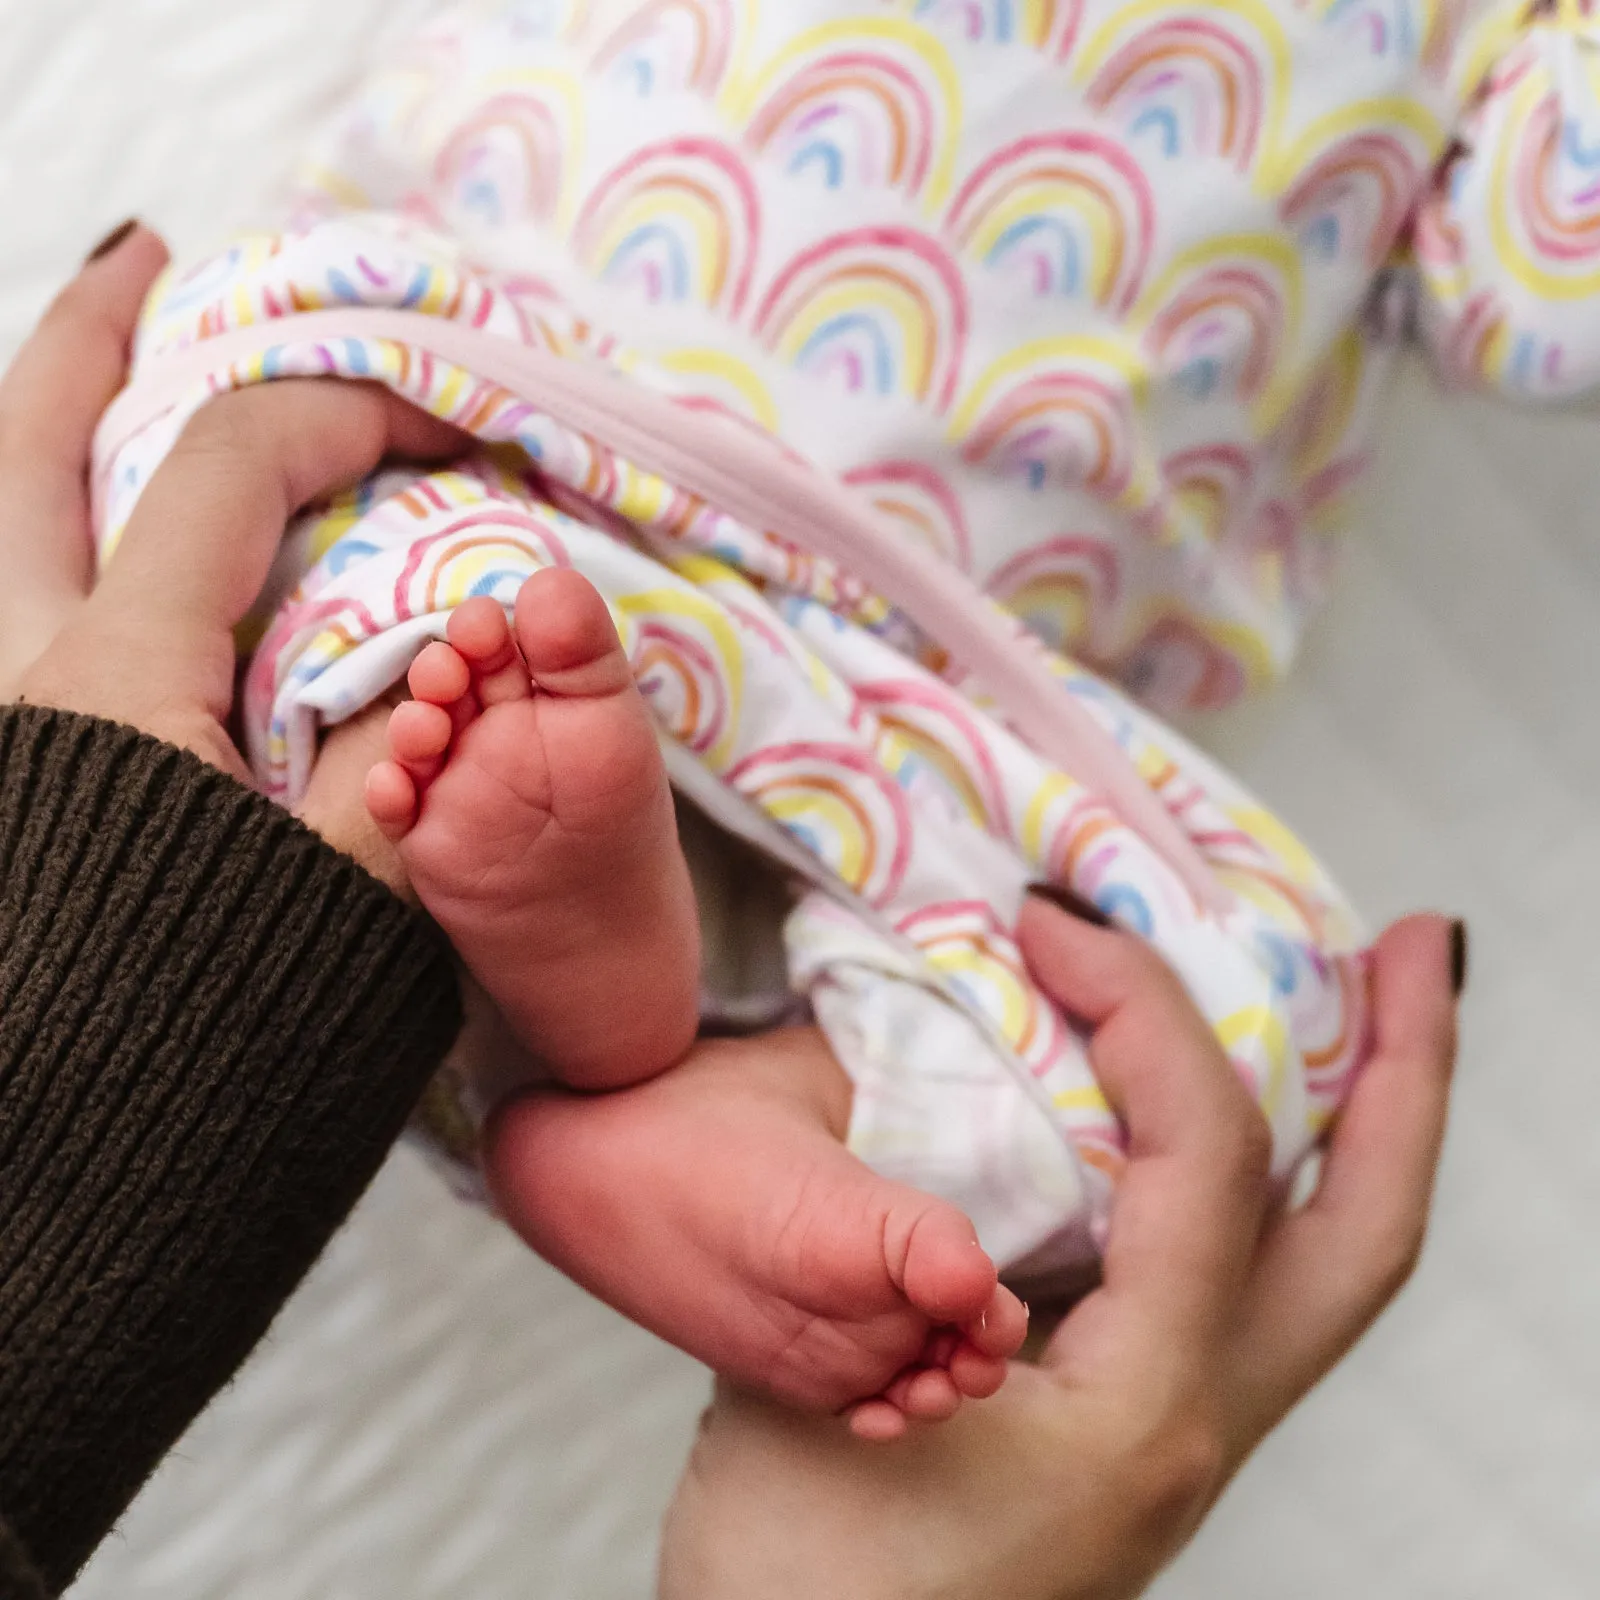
(717, 1205)
(528, 803)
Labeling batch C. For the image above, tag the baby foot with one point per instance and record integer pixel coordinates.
(529, 804)
(717, 1206)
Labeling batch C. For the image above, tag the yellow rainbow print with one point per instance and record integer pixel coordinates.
(1207, 488)
(690, 667)
(1199, 661)
(840, 804)
(963, 942)
(1546, 237)
(713, 373)
(1058, 588)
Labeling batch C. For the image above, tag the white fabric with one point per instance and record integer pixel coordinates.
(439, 1415)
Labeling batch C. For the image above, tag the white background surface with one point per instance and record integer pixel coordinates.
(438, 1415)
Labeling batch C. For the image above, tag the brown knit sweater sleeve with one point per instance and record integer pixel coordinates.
(212, 1027)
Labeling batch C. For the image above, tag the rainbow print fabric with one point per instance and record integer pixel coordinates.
(1077, 290)
(798, 707)
(1082, 298)
(1508, 241)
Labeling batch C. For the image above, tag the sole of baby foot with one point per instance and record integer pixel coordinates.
(528, 802)
(716, 1206)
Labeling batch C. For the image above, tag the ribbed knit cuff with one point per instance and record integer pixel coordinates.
(212, 1028)
(19, 1578)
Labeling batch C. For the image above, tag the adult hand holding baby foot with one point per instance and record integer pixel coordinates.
(212, 1026)
(1079, 1479)
(797, 1265)
(874, 1288)
(1215, 1315)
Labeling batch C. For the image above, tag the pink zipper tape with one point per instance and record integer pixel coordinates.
(754, 481)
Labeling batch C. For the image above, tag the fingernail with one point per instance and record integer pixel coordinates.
(1071, 902)
(1458, 956)
(112, 240)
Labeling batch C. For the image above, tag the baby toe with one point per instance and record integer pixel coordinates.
(975, 1374)
(419, 735)
(439, 675)
(391, 799)
(1002, 1325)
(567, 636)
(479, 630)
(929, 1396)
(945, 1273)
(877, 1422)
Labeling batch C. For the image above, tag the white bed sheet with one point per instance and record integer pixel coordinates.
(437, 1414)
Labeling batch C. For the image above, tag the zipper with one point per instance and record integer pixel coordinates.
(748, 477)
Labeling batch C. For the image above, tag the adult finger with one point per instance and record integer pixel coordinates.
(206, 529)
(201, 541)
(1325, 1272)
(1190, 1201)
(50, 400)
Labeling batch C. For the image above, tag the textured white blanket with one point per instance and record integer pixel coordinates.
(439, 1415)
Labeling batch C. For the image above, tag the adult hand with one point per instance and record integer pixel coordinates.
(152, 644)
(1215, 1314)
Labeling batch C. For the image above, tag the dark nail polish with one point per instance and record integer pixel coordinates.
(1458, 956)
(1071, 902)
(112, 240)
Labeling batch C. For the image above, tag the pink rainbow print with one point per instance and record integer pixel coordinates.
(840, 804)
(1069, 425)
(1049, 26)
(1072, 208)
(1355, 197)
(1561, 228)
(1059, 588)
(507, 158)
(1176, 664)
(939, 726)
(682, 682)
(671, 44)
(883, 310)
(858, 112)
(1211, 483)
(918, 499)
(1194, 83)
(1222, 328)
(677, 221)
